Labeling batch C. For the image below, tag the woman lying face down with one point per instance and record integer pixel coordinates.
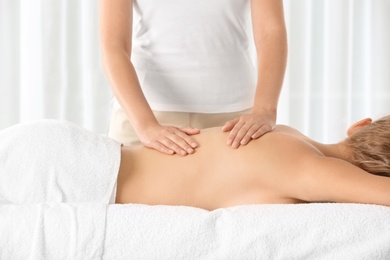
(283, 166)
(55, 161)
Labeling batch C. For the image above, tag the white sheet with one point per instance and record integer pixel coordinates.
(305, 231)
(52, 231)
(56, 161)
(86, 231)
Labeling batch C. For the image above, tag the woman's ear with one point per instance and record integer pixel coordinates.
(358, 125)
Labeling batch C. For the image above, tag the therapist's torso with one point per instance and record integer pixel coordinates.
(194, 55)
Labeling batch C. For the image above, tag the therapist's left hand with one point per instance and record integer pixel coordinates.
(248, 127)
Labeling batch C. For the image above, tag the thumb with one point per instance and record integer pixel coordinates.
(190, 130)
(229, 125)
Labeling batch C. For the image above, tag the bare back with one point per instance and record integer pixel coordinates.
(216, 175)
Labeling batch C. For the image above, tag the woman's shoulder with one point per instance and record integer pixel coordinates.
(289, 130)
(288, 142)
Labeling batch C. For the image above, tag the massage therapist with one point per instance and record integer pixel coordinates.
(176, 66)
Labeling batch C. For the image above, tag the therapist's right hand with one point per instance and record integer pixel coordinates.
(169, 139)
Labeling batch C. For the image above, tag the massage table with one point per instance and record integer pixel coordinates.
(54, 205)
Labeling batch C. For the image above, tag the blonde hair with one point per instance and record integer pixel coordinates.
(371, 147)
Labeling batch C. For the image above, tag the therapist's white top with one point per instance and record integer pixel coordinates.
(194, 55)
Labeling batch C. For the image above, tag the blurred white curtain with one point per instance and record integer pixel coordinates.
(339, 65)
(338, 68)
(50, 63)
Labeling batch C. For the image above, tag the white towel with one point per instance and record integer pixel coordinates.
(305, 231)
(284, 231)
(56, 161)
(52, 231)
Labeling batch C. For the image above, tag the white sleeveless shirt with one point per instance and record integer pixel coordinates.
(194, 55)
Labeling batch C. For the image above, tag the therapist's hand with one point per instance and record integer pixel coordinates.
(247, 127)
(169, 139)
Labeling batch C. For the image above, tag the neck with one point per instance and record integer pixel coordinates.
(339, 150)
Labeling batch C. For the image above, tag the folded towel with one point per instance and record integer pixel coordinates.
(56, 161)
(52, 231)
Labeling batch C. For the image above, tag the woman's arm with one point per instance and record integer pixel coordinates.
(116, 43)
(270, 38)
(335, 180)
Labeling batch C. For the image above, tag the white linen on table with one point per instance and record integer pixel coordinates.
(114, 232)
(52, 231)
(284, 231)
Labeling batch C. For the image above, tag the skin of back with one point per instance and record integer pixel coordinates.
(268, 170)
